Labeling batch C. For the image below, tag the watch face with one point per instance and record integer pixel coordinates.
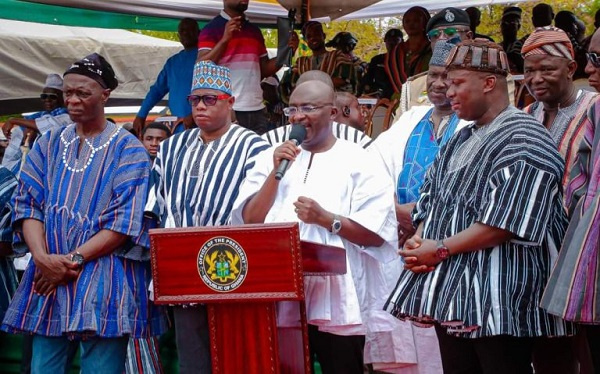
(336, 226)
(77, 258)
(442, 253)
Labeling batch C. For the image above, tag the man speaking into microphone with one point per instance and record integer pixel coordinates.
(297, 136)
(340, 198)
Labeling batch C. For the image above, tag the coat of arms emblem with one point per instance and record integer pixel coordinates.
(222, 264)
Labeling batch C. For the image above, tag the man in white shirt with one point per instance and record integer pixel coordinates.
(346, 204)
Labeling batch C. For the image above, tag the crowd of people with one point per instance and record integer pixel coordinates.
(471, 227)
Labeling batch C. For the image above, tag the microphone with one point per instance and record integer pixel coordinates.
(297, 135)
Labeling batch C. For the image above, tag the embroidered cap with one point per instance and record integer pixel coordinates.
(448, 17)
(548, 40)
(478, 55)
(209, 75)
(54, 81)
(96, 67)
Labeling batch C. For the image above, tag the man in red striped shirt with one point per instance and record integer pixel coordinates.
(231, 40)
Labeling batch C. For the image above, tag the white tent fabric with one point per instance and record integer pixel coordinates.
(30, 51)
(329, 9)
(203, 10)
(266, 11)
(392, 8)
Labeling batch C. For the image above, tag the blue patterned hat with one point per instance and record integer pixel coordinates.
(209, 75)
(442, 50)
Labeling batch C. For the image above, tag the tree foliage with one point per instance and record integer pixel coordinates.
(491, 15)
(370, 32)
(370, 40)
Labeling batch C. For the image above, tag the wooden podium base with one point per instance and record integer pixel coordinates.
(268, 264)
(245, 338)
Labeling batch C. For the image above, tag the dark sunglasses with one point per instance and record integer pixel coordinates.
(449, 31)
(594, 59)
(208, 100)
(48, 96)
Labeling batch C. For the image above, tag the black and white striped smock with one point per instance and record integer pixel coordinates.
(195, 184)
(507, 175)
(340, 131)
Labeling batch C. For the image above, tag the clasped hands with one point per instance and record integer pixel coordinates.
(420, 255)
(53, 270)
(405, 224)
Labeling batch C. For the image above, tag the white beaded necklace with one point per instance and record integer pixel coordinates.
(94, 150)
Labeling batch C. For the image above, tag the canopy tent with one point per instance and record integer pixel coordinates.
(163, 14)
(159, 15)
(30, 51)
(392, 8)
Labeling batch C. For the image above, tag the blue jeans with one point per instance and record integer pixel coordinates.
(98, 355)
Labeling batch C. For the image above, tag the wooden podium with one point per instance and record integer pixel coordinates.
(240, 272)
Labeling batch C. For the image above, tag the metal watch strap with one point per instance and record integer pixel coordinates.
(442, 251)
(336, 224)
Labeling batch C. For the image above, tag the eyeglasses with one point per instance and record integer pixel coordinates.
(448, 31)
(304, 109)
(48, 96)
(208, 100)
(594, 59)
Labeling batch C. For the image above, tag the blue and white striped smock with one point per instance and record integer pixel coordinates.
(109, 297)
(8, 275)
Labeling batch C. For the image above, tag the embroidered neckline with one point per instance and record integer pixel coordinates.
(308, 168)
(88, 143)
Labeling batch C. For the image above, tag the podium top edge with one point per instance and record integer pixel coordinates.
(229, 228)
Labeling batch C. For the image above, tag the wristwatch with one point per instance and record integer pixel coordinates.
(77, 258)
(336, 225)
(442, 251)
